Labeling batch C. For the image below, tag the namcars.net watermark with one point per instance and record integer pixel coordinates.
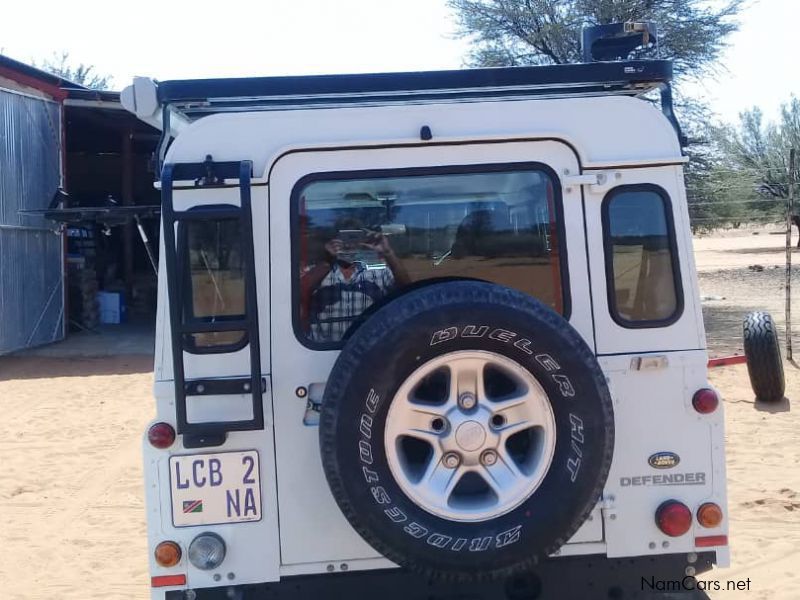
(691, 583)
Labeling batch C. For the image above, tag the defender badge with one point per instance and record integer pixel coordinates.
(664, 460)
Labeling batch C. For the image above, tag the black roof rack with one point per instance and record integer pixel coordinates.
(195, 98)
(198, 97)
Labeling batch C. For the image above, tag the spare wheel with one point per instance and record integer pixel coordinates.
(466, 430)
(763, 352)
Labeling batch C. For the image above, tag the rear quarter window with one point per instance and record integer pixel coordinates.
(642, 270)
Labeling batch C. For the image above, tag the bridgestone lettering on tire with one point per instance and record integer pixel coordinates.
(501, 431)
(764, 364)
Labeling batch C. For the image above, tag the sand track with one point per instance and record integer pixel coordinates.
(71, 505)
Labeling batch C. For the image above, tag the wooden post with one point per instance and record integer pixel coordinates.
(127, 200)
(789, 212)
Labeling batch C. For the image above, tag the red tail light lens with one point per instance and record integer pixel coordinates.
(705, 401)
(161, 435)
(674, 518)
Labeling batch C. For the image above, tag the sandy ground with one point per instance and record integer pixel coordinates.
(71, 503)
(742, 270)
(71, 507)
(763, 460)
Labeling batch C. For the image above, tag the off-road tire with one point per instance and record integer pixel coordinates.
(414, 329)
(764, 364)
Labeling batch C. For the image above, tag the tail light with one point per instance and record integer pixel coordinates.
(705, 401)
(168, 554)
(161, 435)
(674, 518)
(709, 515)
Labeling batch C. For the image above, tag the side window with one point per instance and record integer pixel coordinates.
(215, 285)
(642, 271)
(360, 237)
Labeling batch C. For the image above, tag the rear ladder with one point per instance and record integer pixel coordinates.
(211, 174)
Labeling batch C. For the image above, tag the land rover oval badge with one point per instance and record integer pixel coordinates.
(663, 460)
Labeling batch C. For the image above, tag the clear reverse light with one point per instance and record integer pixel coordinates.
(207, 551)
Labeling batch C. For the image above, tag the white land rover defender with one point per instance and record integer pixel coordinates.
(446, 321)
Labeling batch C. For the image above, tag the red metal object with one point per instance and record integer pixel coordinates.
(737, 359)
(167, 580)
(710, 540)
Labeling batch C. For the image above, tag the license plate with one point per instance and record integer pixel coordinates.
(210, 489)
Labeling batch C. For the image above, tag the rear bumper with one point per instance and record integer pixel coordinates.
(566, 578)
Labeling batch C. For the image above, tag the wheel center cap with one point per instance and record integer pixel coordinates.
(470, 436)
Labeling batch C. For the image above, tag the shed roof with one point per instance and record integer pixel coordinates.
(36, 78)
(53, 85)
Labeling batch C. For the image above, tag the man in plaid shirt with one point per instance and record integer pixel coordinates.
(338, 291)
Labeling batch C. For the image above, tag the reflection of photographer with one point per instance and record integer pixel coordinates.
(337, 290)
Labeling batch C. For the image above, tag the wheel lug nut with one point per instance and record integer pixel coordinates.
(438, 424)
(498, 421)
(488, 458)
(467, 401)
(451, 460)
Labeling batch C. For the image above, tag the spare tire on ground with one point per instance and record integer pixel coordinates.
(466, 430)
(764, 364)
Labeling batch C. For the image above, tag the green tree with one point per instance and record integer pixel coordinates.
(533, 32)
(59, 65)
(751, 168)
(692, 33)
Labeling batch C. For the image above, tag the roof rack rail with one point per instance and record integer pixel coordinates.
(171, 104)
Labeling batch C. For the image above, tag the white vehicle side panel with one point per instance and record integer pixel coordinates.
(654, 413)
(211, 408)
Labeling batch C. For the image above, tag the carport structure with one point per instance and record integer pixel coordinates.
(56, 134)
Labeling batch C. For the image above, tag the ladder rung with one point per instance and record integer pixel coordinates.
(216, 326)
(208, 214)
(220, 170)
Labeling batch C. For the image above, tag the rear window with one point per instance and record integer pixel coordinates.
(361, 237)
(216, 285)
(641, 258)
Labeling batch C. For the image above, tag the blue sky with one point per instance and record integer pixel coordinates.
(173, 39)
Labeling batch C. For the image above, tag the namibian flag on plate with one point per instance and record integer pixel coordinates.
(192, 506)
(211, 489)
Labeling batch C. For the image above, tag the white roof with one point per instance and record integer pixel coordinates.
(604, 131)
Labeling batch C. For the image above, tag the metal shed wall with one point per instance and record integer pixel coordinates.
(31, 253)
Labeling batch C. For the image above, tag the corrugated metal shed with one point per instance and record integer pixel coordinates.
(31, 253)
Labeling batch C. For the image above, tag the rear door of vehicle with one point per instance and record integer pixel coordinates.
(306, 190)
